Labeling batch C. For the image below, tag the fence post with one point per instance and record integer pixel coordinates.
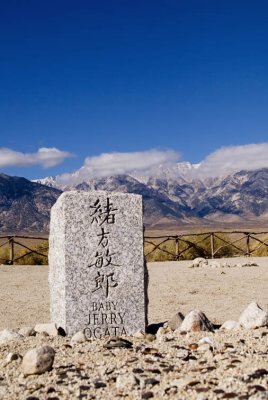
(11, 250)
(248, 247)
(212, 244)
(177, 250)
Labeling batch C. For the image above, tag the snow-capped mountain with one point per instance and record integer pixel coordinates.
(237, 199)
(180, 171)
(174, 194)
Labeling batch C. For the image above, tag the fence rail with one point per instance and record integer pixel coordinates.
(214, 244)
(15, 242)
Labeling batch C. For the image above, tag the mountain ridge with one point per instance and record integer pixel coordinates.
(239, 198)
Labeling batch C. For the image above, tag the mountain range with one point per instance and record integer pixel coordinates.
(170, 202)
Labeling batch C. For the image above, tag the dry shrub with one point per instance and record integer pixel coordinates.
(191, 247)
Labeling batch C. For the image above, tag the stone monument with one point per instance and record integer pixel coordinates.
(97, 271)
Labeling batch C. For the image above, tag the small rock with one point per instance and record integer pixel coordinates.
(11, 357)
(151, 381)
(206, 339)
(27, 331)
(175, 322)
(38, 361)
(126, 381)
(205, 344)
(198, 262)
(50, 329)
(79, 337)
(193, 346)
(99, 384)
(117, 342)
(138, 334)
(196, 321)
(182, 353)
(205, 347)
(253, 317)
(250, 264)
(7, 335)
(160, 333)
(230, 325)
(147, 395)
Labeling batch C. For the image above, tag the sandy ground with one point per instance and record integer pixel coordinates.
(221, 293)
(169, 366)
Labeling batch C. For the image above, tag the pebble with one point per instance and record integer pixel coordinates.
(198, 262)
(205, 344)
(253, 317)
(196, 321)
(11, 357)
(194, 365)
(38, 360)
(126, 381)
(229, 325)
(147, 395)
(78, 337)
(7, 335)
(117, 342)
(176, 321)
(160, 334)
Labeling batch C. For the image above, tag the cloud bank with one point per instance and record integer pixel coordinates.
(46, 157)
(164, 164)
(235, 158)
(143, 164)
(108, 164)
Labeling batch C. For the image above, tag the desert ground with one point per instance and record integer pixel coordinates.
(169, 365)
(221, 293)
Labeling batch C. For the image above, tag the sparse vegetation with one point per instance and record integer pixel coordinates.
(25, 257)
(192, 246)
(188, 247)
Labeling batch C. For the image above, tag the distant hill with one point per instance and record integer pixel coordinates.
(237, 200)
(25, 205)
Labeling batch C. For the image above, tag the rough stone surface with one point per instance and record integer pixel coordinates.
(98, 277)
(196, 321)
(198, 262)
(230, 325)
(194, 366)
(27, 331)
(50, 329)
(78, 337)
(126, 381)
(175, 322)
(11, 357)
(7, 335)
(253, 317)
(38, 361)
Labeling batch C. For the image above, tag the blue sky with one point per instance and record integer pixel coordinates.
(89, 77)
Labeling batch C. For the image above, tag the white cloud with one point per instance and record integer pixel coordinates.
(108, 164)
(45, 156)
(235, 158)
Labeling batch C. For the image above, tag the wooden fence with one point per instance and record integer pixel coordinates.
(13, 243)
(173, 247)
(206, 244)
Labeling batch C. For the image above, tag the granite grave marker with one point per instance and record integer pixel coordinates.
(97, 271)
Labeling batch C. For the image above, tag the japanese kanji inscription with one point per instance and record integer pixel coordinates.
(98, 277)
